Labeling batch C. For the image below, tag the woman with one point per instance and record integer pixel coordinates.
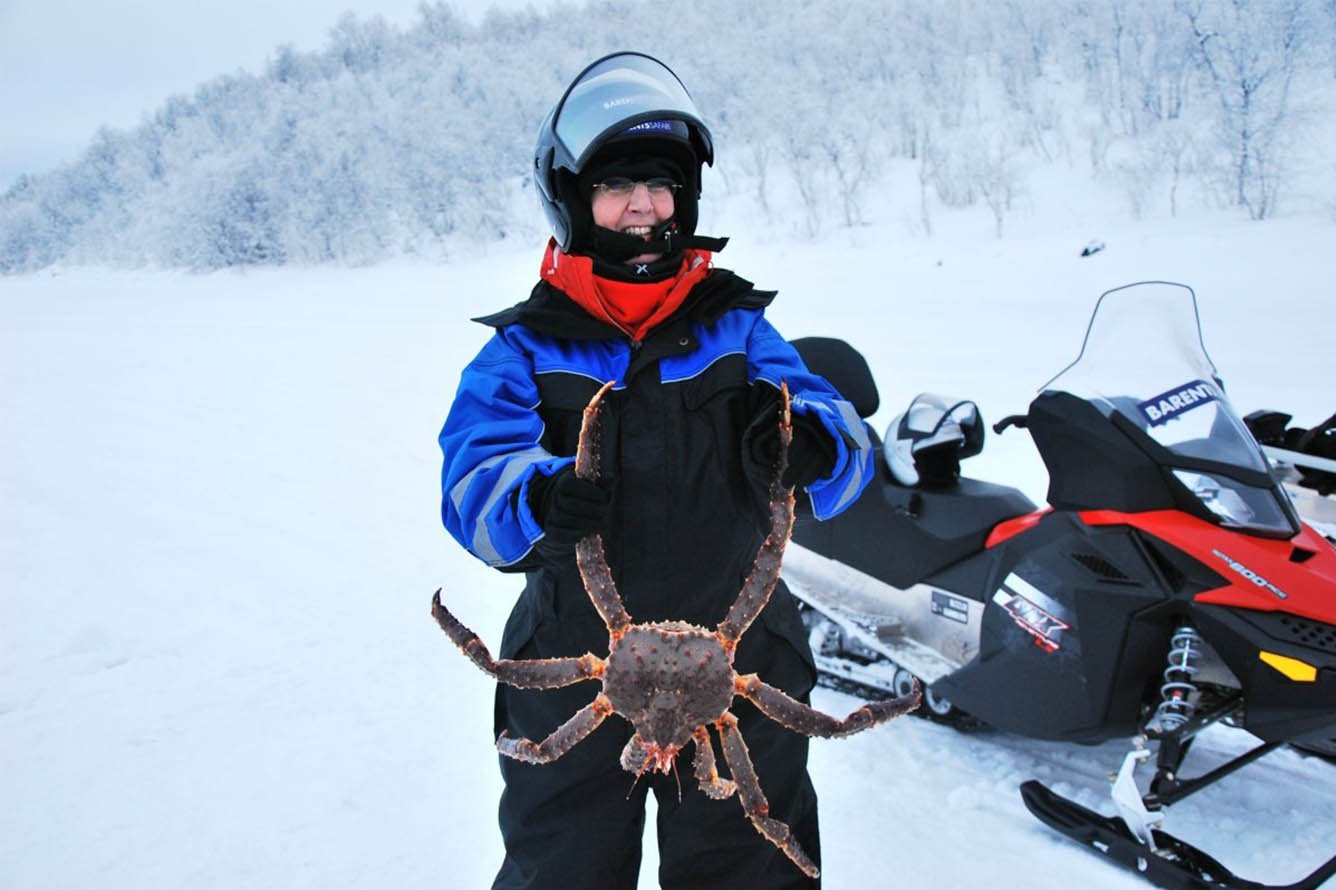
(629, 293)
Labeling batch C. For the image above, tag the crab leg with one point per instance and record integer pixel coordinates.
(761, 580)
(562, 739)
(537, 673)
(636, 757)
(797, 716)
(588, 453)
(589, 555)
(707, 773)
(753, 799)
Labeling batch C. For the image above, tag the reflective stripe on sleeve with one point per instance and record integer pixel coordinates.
(512, 466)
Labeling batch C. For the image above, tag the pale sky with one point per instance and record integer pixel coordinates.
(68, 67)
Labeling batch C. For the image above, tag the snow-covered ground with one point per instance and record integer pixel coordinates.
(219, 538)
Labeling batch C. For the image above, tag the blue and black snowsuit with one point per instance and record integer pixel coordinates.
(686, 520)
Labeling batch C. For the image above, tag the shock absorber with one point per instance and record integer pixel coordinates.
(1176, 693)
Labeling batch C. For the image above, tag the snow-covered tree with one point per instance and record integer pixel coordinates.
(393, 140)
(1251, 52)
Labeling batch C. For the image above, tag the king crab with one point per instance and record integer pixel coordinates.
(671, 679)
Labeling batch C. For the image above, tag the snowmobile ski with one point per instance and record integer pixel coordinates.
(1173, 864)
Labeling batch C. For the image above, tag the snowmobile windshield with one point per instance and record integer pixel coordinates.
(613, 94)
(1143, 359)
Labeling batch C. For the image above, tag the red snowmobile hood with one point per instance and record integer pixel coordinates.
(1296, 576)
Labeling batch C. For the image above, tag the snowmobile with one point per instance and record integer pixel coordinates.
(1169, 583)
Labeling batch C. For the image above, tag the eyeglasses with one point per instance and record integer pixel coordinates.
(622, 186)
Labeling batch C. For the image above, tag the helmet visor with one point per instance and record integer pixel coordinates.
(613, 94)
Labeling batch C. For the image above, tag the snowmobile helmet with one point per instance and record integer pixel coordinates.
(925, 445)
(623, 106)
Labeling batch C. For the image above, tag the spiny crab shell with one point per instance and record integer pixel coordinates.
(667, 678)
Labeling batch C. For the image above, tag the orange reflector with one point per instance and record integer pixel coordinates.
(1296, 670)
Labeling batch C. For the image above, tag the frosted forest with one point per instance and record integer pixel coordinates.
(391, 142)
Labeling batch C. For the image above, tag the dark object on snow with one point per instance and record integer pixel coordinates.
(1092, 248)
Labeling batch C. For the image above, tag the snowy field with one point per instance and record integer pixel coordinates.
(219, 538)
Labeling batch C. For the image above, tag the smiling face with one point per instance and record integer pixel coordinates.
(637, 213)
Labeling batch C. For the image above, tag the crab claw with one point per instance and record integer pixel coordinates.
(640, 757)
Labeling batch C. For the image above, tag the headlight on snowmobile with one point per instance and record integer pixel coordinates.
(1239, 506)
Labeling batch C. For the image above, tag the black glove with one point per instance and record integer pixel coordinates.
(811, 452)
(568, 508)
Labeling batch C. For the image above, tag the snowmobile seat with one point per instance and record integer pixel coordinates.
(902, 535)
(896, 533)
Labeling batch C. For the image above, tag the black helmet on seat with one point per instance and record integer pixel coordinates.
(623, 104)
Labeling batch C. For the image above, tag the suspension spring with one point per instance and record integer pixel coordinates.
(1177, 692)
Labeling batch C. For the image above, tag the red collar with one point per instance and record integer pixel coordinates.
(632, 307)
